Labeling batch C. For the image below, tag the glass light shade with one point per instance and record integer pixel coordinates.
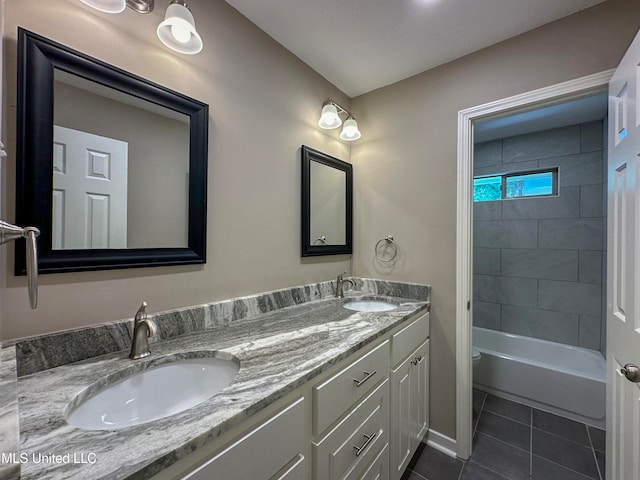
(107, 6)
(178, 30)
(350, 130)
(329, 118)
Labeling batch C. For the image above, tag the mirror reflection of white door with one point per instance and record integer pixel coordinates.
(623, 265)
(89, 190)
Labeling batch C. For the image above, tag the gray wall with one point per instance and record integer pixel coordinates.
(538, 262)
(264, 104)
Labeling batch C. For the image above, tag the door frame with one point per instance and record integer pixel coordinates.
(580, 87)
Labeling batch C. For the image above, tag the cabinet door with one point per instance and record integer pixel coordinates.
(400, 438)
(420, 394)
(409, 409)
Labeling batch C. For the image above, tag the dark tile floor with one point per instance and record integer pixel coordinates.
(515, 442)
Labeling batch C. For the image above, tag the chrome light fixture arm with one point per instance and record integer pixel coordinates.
(10, 232)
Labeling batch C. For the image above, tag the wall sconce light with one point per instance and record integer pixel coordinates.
(177, 31)
(330, 119)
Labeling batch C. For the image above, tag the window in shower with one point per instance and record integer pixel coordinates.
(537, 183)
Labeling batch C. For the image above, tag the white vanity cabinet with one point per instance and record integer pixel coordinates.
(361, 420)
(361, 391)
(409, 402)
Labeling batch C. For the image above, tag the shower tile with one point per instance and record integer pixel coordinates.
(501, 457)
(559, 327)
(590, 327)
(591, 201)
(487, 210)
(549, 264)
(591, 135)
(502, 428)
(565, 205)
(500, 169)
(486, 261)
(487, 154)
(581, 169)
(485, 233)
(568, 234)
(569, 297)
(590, 266)
(545, 470)
(564, 452)
(562, 427)
(486, 315)
(507, 408)
(505, 290)
(549, 143)
(517, 233)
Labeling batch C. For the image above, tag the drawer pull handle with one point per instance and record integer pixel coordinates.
(367, 376)
(415, 361)
(370, 438)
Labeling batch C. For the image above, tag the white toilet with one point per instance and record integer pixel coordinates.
(476, 356)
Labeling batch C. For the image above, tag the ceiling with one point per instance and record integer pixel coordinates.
(362, 45)
(572, 112)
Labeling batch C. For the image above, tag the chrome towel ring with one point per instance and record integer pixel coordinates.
(389, 241)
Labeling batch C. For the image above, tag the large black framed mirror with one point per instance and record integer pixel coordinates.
(327, 204)
(111, 167)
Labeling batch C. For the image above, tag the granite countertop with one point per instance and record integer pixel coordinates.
(9, 440)
(278, 352)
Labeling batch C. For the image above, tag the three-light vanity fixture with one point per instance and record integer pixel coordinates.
(330, 118)
(178, 29)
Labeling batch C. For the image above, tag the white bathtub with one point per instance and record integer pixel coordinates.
(561, 379)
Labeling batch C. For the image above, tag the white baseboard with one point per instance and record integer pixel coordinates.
(441, 443)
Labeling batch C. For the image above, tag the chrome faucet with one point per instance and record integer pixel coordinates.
(340, 284)
(143, 328)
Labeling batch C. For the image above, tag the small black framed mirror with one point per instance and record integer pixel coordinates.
(111, 167)
(327, 204)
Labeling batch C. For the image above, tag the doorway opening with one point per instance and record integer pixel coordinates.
(504, 181)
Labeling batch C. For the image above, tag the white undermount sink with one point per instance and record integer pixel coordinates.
(154, 393)
(370, 305)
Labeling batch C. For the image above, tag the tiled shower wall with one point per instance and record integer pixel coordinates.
(538, 262)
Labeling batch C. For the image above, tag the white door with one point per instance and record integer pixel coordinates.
(89, 190)
(623, 269)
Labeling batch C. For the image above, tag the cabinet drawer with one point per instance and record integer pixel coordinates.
(293, 471)
(263, 452)
(407, 340)
(379, 468)
(337, 394)
(352, 445)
